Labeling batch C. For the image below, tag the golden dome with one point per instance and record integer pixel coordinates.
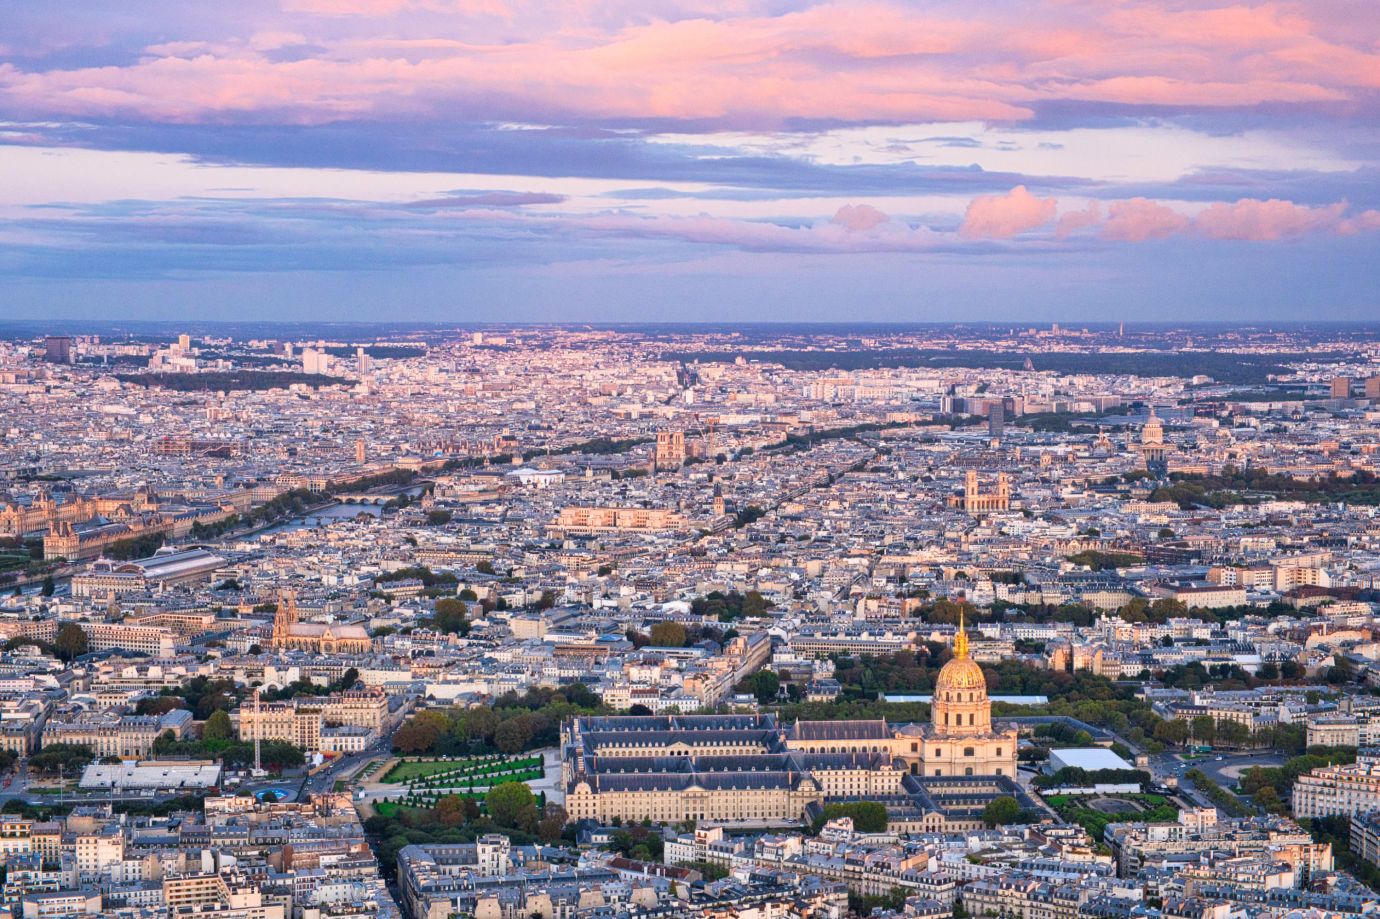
(960, 673)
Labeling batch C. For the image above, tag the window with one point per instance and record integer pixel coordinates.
(914, 747)
(999, 751)
(968, 751)
(968, 770)
(938, 772)
(938, 752)
(998, 770)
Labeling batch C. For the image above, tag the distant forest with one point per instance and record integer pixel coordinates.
(238, 379)
(1224, 367)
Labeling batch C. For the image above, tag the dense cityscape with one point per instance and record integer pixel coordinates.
(343, 622)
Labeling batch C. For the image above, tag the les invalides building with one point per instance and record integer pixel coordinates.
(960, 738)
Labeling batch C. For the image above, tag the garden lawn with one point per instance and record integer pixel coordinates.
(1077, 809)
(463, 768)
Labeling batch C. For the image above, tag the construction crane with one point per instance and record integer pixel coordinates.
(258, 772)
(705, 426)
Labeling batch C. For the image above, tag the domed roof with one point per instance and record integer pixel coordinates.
(960, 673)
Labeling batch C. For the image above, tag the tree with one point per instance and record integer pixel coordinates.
(452, 616)
(450, 810)
(513, 735)
(60, 758)
(1204, 729)
(1173, 732)
(552, 824)
(49, 586)
(1269, 671)
(507, 802)
(669, 635)
(158, 705)
(1233, 733)
(1269, 799)
(420, 732)
(1001, 811)
(765, 685)
(217, 727)
(867, 816)
(71, 642)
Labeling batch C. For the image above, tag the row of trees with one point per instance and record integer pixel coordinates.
(513, 724)
(509, 809)
(202, 695)
(277, 755)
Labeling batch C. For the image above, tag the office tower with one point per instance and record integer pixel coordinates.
(184, 342)
(362, 357)
(1341, 387)
(996, 418)
(314, 361)
(57, 349)
(1373, 387)
(359, 451)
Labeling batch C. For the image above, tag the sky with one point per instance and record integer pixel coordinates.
(655, 160)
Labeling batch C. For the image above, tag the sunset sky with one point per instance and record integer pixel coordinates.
(652, 160)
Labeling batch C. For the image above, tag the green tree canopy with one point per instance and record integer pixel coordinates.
(508, 802)
(1001, 811)
(669, 635)
(71, 642)
(218, 727)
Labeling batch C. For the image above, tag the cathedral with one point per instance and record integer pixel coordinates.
(321, 638)
(960, 739)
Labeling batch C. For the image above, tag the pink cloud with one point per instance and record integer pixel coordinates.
(1073, 221)
(1363, 222)
(1003, 216)
(1139, 219)
(732, 64)
(1266, 220)
(859, 217)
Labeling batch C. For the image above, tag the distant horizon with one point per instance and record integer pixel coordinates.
(721, 323)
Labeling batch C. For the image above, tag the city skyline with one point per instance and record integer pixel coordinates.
(508, 162)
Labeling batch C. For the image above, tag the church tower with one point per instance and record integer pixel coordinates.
(284, 619)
